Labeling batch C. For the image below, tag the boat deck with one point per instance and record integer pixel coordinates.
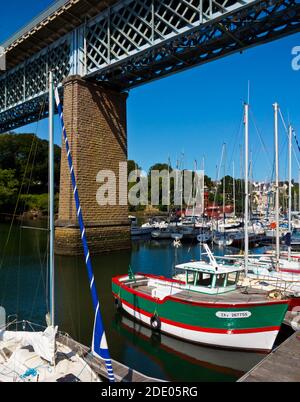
(238, 296)
(122, 372)
(241, 295)
(21, 364)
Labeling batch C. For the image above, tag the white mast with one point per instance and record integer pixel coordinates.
(182, 181)
(233, 189)
(276, 182)
(169, 187)
(290, 187)
(51, 200)
(224, 183)
(299, 190)
(246, 218)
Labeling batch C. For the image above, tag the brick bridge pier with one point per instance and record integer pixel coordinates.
(95, 120)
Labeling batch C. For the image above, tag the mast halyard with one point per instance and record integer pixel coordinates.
(290, 191)
(51, 201)
(246, 217)
(224, 185)
(299, 190)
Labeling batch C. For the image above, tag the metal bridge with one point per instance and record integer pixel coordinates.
(128, 43)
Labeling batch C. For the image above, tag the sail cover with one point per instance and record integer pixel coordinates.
(43, 343)
(99, 345)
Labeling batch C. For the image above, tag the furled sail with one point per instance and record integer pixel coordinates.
(43, 343)
(99, 345)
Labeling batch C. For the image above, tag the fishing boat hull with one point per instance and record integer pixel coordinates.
(222, 242)
(157, 234)
(244, 326)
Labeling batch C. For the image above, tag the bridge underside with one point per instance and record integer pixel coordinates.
(255, 23)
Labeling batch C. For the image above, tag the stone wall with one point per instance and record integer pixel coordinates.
(95, 120)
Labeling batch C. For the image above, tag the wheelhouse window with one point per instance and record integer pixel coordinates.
(220, 280)
(204, 279)
(232, 278)
(190, 277)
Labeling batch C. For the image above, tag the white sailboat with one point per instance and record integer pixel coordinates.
(265, 271)
(32, 355)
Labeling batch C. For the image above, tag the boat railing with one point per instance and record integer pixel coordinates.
(23, 325)
(263, 281)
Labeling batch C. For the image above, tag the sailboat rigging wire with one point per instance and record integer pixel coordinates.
(260, 137)
(237, 135)
(218, 173)
(18, 202)
(294, 135)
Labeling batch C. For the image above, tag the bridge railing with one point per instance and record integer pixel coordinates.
(136, 41)
(128, 28)
(132, 26)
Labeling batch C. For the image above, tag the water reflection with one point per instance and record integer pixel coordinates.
(23, 290)
(174, 358)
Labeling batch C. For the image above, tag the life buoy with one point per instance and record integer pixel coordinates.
(155, 323)
(118, 304)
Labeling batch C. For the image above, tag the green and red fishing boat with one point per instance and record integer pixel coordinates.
(203, 303)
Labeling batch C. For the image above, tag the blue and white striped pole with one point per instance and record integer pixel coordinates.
(99, 345)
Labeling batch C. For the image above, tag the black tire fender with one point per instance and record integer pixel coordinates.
(155, 323)
(118, 303)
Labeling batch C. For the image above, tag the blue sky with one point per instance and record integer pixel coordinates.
(196, 111)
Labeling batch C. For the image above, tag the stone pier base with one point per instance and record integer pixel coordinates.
(95, 121)
(100, 239)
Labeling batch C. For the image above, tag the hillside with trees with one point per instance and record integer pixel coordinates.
(24, 171)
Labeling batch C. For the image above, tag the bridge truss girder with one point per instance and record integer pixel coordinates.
(137, 41)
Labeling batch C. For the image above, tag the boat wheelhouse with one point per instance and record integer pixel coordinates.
(198, 276)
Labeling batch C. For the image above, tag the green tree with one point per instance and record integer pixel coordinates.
(26, 153)
(161, 167)
(8, 190)
(132, 166)
(208, 182)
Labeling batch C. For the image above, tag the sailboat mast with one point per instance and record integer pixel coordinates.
(290, 188)
(276, 182)
(51, 200)
(246, 218)
(224, 183)
(169, 187)
(233, 187)
(299, 190)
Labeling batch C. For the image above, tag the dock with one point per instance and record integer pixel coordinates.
(121, 371)
(282, 364)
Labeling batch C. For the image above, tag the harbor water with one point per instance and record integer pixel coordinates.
(23, 292)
